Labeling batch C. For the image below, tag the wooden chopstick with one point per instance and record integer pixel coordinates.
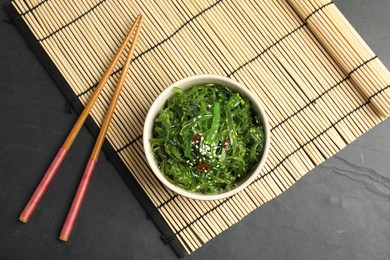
(82, 189)
(57, 161)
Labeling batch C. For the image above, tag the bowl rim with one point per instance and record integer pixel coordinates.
(186, 83)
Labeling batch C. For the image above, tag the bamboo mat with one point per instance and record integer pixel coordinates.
(321, 84)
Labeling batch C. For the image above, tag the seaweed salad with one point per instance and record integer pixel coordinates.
(207, 138)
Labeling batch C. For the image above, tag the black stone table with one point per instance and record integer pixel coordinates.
(340, 210)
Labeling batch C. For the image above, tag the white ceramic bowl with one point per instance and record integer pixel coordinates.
(186, 83)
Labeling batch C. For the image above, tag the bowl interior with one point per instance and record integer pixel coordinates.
(186, 83)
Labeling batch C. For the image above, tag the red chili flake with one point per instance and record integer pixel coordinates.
(202, 167)
(196, 138)
(225, 143)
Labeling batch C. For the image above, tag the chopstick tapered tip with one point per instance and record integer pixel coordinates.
(64, 238)
(23, 219)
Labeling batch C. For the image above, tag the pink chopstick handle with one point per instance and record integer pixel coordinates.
(78, 199)
(43, 185)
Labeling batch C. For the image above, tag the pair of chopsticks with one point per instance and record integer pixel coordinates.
(54, 166)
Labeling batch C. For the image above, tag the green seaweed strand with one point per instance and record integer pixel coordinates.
(207, 138)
